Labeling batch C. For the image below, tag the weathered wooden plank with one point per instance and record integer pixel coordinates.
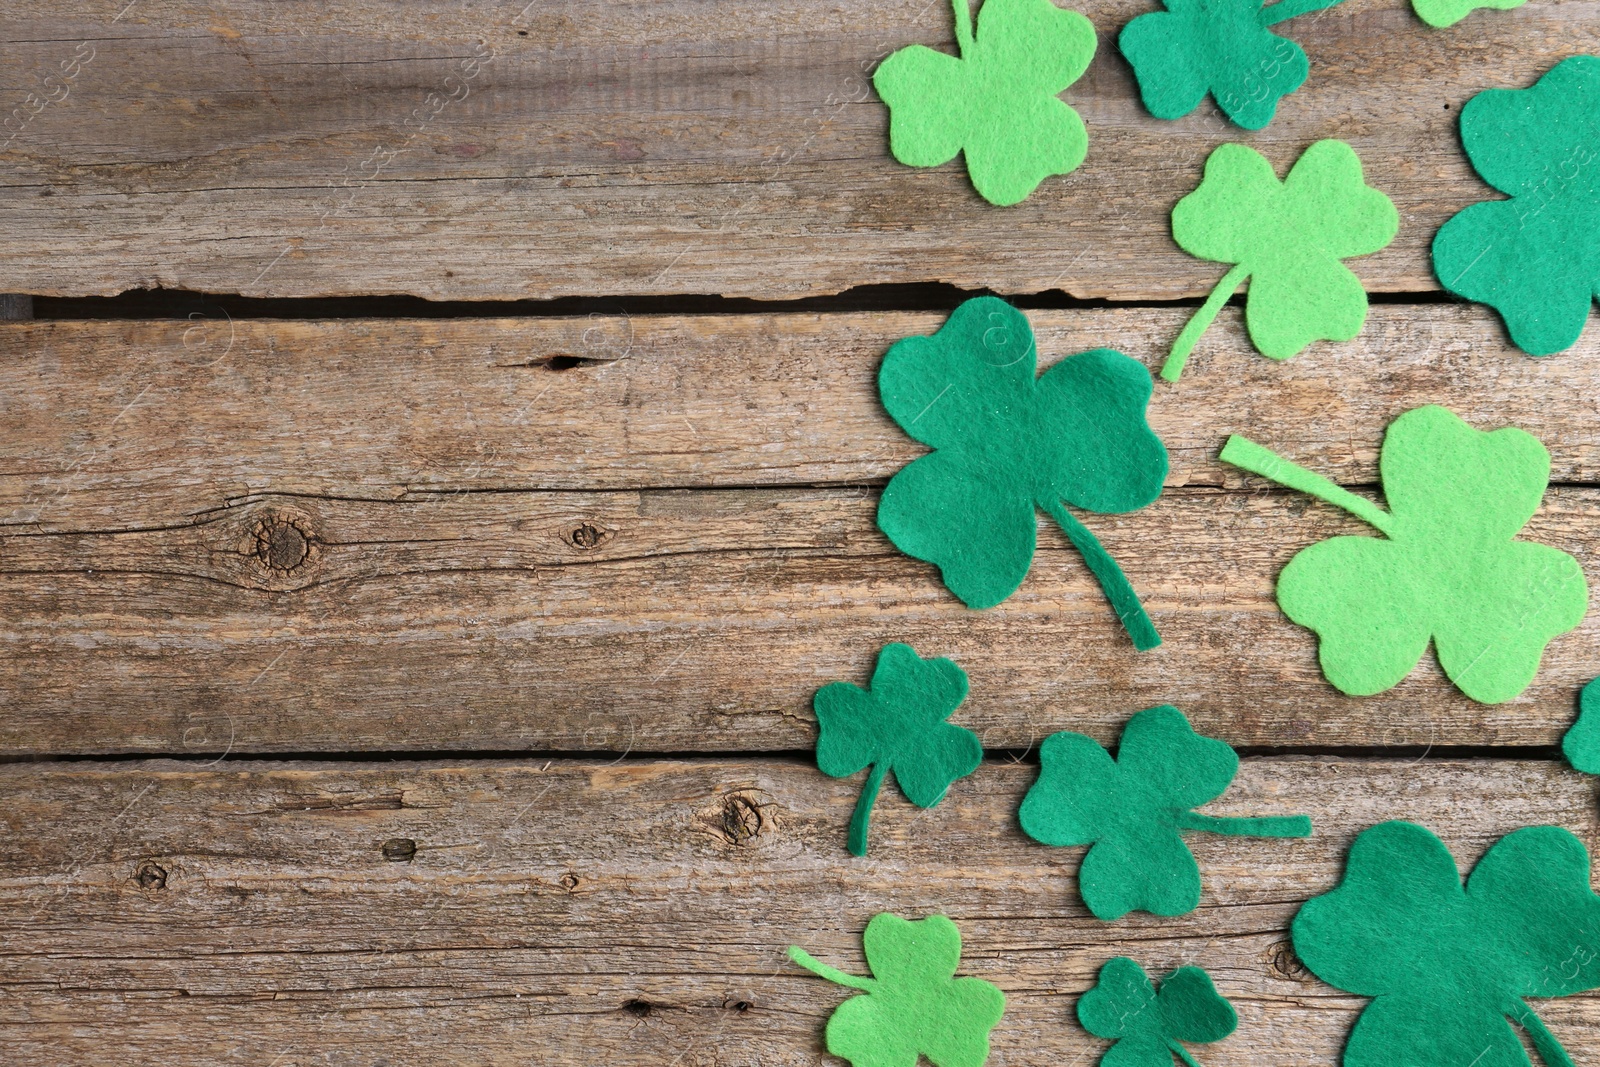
(636, 912)
(670, 621)
(494, 150)
(119, 425)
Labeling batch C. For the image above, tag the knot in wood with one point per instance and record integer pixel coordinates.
(569, 881)
(586, 536)
(399, 850)
(1285, 964)
(283, 543)
(741, 819)
(151, 876)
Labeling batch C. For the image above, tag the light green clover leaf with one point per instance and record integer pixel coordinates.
(1441, 13)
(1147, 1026)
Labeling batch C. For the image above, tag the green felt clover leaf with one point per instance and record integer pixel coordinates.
(1441, 13)
(1146, 1025)
(1132, 811)
(1581, 746)
(1007, 442)
(914, 1004)
(998, 103)
(1448, 569)
(1221, 47)
(898, 724)
(1447, 966)
(1536, 257)
(1287, 238)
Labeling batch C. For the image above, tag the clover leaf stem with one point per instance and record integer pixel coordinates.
(863, 813)
(1173, 367)
(822, 970)
(964, 25)
(1265, 826)
(1550, 1049)
(1243, 452)
(1115, 585)
(1182, 1053)
(1284, 10)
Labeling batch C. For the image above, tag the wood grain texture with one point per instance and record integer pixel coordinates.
(487, 149)
(637, 912)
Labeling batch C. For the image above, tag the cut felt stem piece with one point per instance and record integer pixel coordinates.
(1147, 1026)
(1221, 47)
(1449, 568)
(914, 1005)
(1132, 811)
(1581, 746)
(1008, 444)
(998, 102)
(1448, 967)
(897, 724)
(1441, 13)
(1287, 238)
(1536, 257)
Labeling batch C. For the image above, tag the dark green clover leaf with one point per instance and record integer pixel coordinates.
(1536, 257)
(1221, 47)
(1581, 746)
(915, 1006)
(1008, 442)
(1448, 967)
(1147, 1026)
(897, 724)
(1132, 811)
(1449, 568)
(998, 103)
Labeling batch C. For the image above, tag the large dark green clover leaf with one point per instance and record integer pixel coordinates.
(1006, 443)
(1147, 1026)
(1287, 238)
(1132, 811)
(897, 724)
(1221, 47)
(998, 103)
(1536, 257)
(1581, 745)
(1448, 967)
(1448, 569)
(915, 1006)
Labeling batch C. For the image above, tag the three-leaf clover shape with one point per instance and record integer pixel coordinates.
(898, 724)
(1132, 811)
(1147, 1026)
(1447, 966)
(914, 1004)
(1221, 47)
(1287, 238)
(1536, 257)
(1007, 442)
(998, 103)
(1448, 569)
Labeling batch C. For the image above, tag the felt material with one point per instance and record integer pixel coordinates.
(1448, 569)
(1536, 257)
(914, 1004)
(998, 103)
(1146, 1025)
(1221, 47)
(1443, 13)
(1131, 811)
(1008, 442)
(1448, 967)
(1287, 238)
(1581, 746)
(897, 724)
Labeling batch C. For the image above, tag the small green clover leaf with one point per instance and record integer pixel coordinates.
(1447, 966)
(1007, 442)
(1442, 13)
(1147, 1026)
(1448, 569)
(1287, 238)
(1221, 47)
(1581, 746)
(998, 103)
(914, 1004)
(1132, 811)
(896, 724)
(1536, 257)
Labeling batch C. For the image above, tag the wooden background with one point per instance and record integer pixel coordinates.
(412, 589)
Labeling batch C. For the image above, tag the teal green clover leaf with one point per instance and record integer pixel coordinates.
(1221, 47)
(897, 723)
(1581, 745)
(1147, 1025)
(1007, 442)
(1132, 811)
(1448, 967)
(914, 1005)
(998, 103)
(1534, 258)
